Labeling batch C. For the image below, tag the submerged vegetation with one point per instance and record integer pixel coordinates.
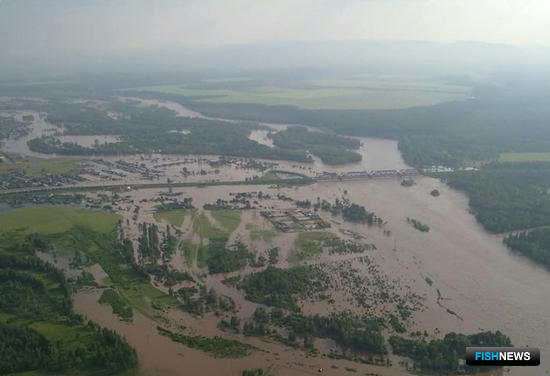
(422, 227)
(217, 346)
(278, 287)
(119, 306)
(442, 356)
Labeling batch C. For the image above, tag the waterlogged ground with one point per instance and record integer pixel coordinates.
(477, 284)
(484, 286)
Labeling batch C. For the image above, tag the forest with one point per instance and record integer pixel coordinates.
(507, 196)
(534, 244)
(144, 129)
(35, 305)
(332, 149)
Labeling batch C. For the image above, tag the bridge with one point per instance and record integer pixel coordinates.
(367, 175)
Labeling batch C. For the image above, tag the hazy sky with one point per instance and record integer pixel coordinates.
(97, 26)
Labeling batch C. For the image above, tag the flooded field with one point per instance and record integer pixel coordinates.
(476, 276)
(159, 356)
(476, 282)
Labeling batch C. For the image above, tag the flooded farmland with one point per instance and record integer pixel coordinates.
(477, 283)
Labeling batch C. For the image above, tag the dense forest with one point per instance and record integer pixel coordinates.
(144, 129)
(35, 305)
(534, 244)
(507, 196)
(332, 149)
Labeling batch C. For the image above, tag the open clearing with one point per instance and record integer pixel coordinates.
(52, 220)
(39, 167)
(362, 95)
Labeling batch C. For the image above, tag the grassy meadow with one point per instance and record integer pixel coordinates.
(53, 220)
(329, 93)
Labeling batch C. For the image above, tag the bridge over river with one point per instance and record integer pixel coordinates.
(367, 175)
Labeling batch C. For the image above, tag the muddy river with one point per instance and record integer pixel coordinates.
(481, 281)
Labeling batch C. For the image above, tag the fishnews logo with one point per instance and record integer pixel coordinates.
(502, 356)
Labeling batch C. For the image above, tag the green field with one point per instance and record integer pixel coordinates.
(53, 220)
(263, 235)
(229, 219)
(37, 297)
(308, 245)
(40, 167)
(174, 217)
(524, 157)
(353, 93)
(205, 229)
(91, 233)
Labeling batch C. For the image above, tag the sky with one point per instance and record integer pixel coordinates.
(117, 25)
(62, 30)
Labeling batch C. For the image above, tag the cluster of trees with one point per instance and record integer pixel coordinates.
(351, 212)
(206, 301)
(442, 355)
(332, 149)
(119, 306)
(166, 275)
(223, 260)
(349, 331)
(507, 196)
(217, 346)
(358, 213)
(24, 349)
(534, 244)
(278, 287)
(36, 292)
(418, 225)
(149, 246)
(253, 372)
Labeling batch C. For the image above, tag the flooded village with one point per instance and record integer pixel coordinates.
(378, 266)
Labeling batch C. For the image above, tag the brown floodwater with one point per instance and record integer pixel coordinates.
(482, 282)
(478, 278)
(38, 128)
(160, 356)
